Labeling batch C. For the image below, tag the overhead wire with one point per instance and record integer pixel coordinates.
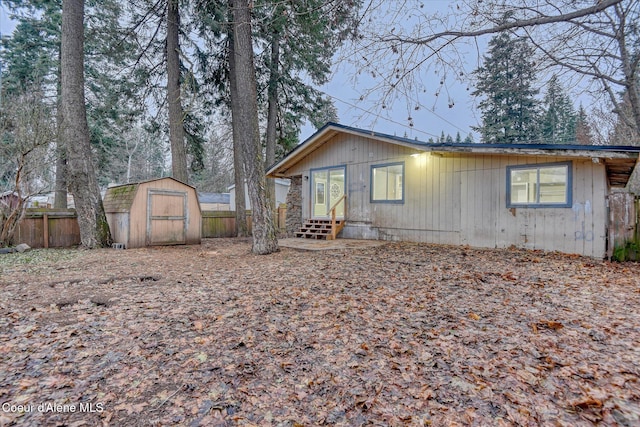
(381, 117)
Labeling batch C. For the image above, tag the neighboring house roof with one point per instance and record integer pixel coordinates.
(9, 199)
(619, 160)
(221, 198)
(280, 181)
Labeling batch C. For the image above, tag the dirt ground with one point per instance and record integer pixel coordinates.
(401, 334)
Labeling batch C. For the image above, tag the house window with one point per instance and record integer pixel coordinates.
(544, 185)
(387, 183)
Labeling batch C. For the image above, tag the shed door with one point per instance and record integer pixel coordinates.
(166, 217)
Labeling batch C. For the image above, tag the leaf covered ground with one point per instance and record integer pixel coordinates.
(401, 334)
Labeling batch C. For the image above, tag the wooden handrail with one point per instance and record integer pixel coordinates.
(334, 229)
(335, 205)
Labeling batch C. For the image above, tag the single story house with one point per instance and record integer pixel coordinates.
(9, 200)
(282, 188)
(536, 196)
(40, 201)
(214, 201)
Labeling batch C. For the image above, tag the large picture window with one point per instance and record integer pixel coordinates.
(544, 185)
(387, 183)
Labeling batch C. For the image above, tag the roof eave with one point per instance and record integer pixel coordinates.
(279, 169)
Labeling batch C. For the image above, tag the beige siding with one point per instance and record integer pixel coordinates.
(215, 207)
(119, 225)
(138, 233)
(130, 227)
(460, 198)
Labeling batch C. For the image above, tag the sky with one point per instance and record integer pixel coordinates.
(453, 111)
(433, 117)
(345, 88)
(428, 122)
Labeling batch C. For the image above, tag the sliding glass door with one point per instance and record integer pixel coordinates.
(327, 187)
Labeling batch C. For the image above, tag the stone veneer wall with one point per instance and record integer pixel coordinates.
(294, 206)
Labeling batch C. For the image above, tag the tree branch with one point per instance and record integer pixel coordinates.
(532, 22)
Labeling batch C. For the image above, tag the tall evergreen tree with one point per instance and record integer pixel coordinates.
(174, 101)
(245, 117)
(505, 86)
(558, 121)
(242, 224)
(301, 39)
(94, 229)
(31, 56)
(584, 133)
(161, 30)
(31, 59)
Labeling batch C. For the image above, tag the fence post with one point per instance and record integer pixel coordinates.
(45, 228)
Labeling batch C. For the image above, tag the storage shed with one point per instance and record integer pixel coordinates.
(161, 211)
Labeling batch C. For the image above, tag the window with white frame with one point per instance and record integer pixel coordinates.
(543, 185)
(387, 183)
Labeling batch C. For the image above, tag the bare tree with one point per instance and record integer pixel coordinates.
(94, 229)
(245, 119)
(27, 132)
(596, 42)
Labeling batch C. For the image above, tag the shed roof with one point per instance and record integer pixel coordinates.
(119, 198)
(9, 193)
(619, 160)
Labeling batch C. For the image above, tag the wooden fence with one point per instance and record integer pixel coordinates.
(223, 223)
(623, 229)
(48, 228)
(58, 228)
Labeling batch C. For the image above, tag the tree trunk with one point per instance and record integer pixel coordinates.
(60, 195)
(94, 229)
(10, 217)
(272, 114)
(264, 231)
(242, 227)
(176, 114)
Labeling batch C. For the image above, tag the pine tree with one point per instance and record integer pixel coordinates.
(584, 133)
(301, 38)
(31, 56)
(508, 105)
(92, 221)
(174, 101)
(245, 118)
(558, 121)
